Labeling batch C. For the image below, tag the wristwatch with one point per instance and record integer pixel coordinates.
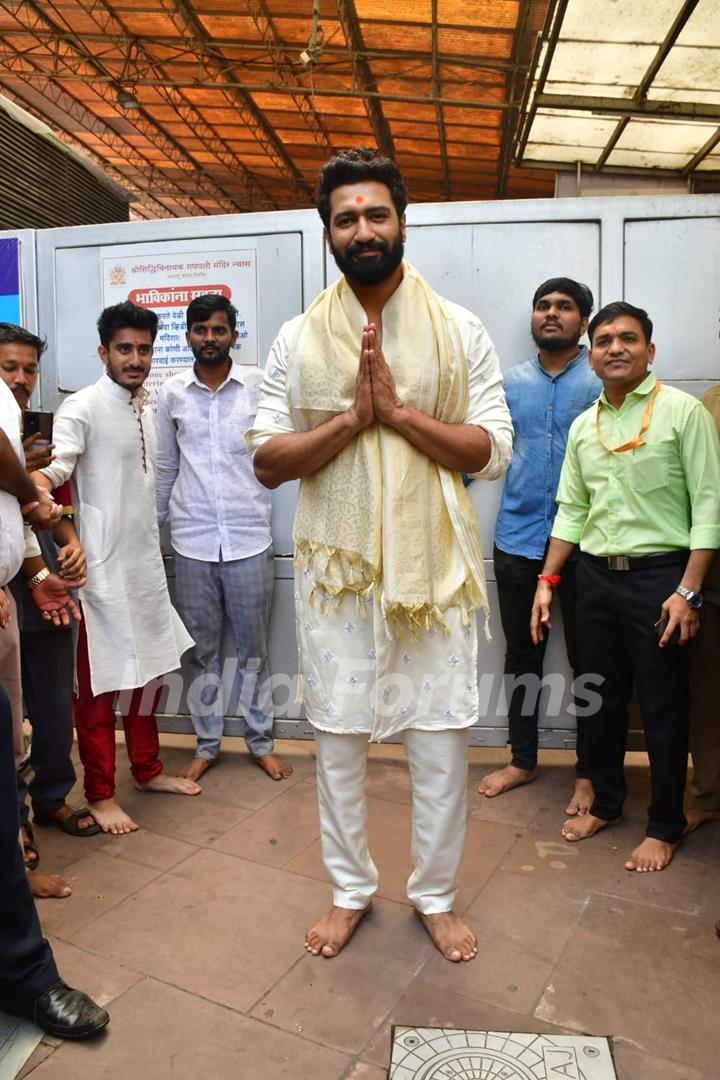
(694, 599)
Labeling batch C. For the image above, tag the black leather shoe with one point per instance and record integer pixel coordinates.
(62, 1012)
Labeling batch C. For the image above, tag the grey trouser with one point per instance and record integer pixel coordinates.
(205, 594)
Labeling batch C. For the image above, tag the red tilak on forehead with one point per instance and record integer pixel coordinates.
(359, 199)
(613, 329)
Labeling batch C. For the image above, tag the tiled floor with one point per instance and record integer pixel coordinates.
(191, 932)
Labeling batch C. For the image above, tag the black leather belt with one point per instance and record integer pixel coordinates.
(637, 562)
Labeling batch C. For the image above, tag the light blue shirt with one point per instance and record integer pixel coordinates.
(205, 480)
(542, 407)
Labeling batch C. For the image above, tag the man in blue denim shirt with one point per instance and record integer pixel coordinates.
(544, 394)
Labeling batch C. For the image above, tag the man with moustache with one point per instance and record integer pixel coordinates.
(130, 634)
(378, 398)
(42, 659)
(544, 395)
(220, 531)
(639, 494)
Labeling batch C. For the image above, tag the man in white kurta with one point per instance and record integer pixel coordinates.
(130, 635)
(388, 563)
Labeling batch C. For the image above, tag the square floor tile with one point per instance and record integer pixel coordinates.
(98, 885)
(217, 926)
(628, 970)
(158, 1031)
(278, 832)
(338, 1002)
(597, 866)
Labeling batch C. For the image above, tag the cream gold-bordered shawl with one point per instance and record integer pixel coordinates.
(381, 515)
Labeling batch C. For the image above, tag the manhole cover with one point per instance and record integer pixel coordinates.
(450, 1054)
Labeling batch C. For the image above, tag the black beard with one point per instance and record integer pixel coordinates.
(215, 360)
(369, 271)
(555, 344)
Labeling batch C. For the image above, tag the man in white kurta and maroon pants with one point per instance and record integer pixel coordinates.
(130, 635)
(379, 397)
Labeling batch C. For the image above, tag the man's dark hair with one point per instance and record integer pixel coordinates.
(11, 334)
(123, 315)
(202, 307)
(580, 293)
(613, 311)
(352, 167)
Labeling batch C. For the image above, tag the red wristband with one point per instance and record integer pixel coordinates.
(552, 579)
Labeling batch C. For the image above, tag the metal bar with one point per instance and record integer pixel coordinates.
(269, 88)
(644, 85)
(196, 50)
(551, 29)
(673, 110)
(702, 153)
(510, 88)
(368, 91)
(439, 115)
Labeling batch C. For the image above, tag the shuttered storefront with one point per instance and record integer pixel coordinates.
(42, 185)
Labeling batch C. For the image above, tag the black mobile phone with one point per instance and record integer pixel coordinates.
(661, 627)
(38, 423)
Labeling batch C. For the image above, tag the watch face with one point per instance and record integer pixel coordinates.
(697, 600)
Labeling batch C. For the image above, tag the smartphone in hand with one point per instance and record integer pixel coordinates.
(41, 423)
(661, 627)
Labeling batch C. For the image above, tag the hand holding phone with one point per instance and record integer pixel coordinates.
(37, 439)
(661, 627)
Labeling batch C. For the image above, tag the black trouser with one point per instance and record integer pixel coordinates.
(47, 682)
(516, 579)
(27, 968)
(616, 612)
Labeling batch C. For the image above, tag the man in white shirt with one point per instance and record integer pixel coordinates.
(378, 398)
(220, 530)
(130, 634)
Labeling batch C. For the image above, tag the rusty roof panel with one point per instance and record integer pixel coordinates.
(225, 97)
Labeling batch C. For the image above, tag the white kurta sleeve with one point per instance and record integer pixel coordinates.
(32, 548)
(273, 416)
(487, 407)
(69, 431)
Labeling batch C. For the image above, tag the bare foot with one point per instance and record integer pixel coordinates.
(582, 797)
(46, 885)
(275, 767)
(450, 935)
(111, 817)
(332, 932)
(172, 785)
(195, 768)
(504, 779)
(579, 828)
(651, 855)
(695, 818)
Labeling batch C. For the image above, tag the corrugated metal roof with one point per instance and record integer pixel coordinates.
(240, 101)
(631, 84)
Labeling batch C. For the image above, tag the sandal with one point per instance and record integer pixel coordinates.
(71, 824)
(29, 848)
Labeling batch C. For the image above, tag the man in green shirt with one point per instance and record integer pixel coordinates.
(640, 493)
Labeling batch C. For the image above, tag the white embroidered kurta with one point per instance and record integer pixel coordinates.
(105, 446)
(359, 677)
